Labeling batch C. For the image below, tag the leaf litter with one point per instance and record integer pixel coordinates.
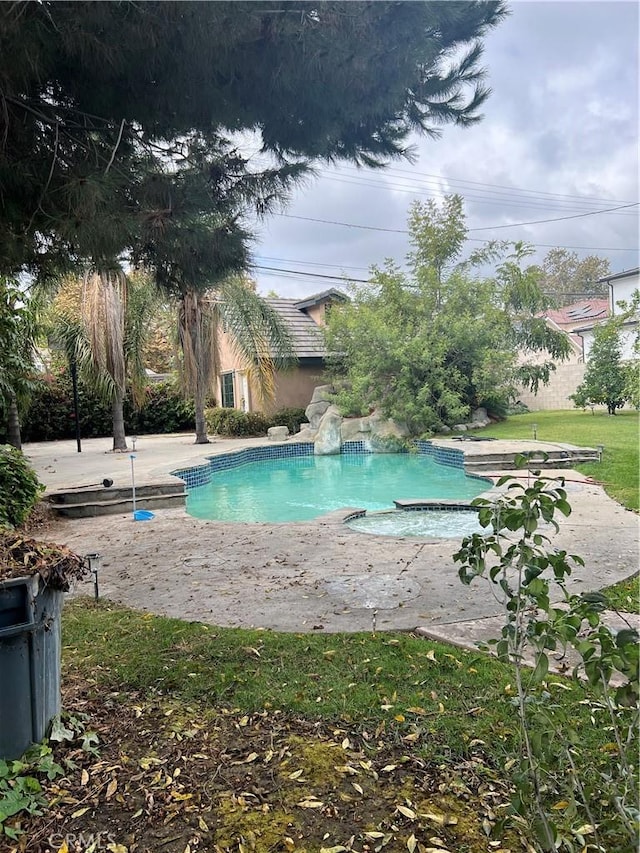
(181, 778)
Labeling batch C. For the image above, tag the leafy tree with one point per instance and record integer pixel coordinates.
(429, 343)
(567, 279)
(606, 378)
(106, 106)
(18, 332)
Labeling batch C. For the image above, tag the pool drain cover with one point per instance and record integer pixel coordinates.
(377, 592)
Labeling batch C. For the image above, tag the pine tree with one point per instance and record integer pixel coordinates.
(105, 104)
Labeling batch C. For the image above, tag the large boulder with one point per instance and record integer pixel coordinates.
(322, 394)
(315, 411)
(328, 439)
(355, 429)
(306, 434)
(320, 402)
(479, 418)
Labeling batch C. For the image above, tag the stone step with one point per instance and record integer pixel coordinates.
(92, 494)
(478, 464)
(121, 505)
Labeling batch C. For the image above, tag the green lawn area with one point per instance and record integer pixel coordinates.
(619, 469)
(396, 737)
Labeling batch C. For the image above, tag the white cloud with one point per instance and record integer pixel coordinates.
(562, 119)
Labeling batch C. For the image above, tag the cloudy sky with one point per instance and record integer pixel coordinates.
(559, 139)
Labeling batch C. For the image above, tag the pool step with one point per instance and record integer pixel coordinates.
(92, 501)
(477, 464)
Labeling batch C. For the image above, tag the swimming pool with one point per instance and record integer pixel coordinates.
(299, 488)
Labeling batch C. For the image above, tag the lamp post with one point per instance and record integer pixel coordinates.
(94, 565)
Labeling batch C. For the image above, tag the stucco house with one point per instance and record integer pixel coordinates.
(578, 321)
(305, 318)
(622, 287)
(569, 373)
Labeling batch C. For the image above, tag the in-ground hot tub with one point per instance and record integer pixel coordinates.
(421, 519)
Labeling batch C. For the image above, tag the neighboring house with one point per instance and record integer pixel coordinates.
(569, 373)
(304, 317)
(622, 287)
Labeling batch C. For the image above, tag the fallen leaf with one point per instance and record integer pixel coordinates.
(84, 777)
(111, 789)
(411, 843)
(80, 812)
(431, 655)
(310, 803)
(406, 812)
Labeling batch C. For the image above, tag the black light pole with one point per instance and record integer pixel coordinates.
(74, 382)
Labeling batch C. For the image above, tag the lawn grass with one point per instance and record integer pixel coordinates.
(400, 682)
(624, 595)
(381, 704)
(619, 469)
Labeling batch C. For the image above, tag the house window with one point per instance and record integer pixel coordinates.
(228, 398)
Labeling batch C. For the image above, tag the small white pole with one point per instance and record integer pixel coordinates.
(133, 485)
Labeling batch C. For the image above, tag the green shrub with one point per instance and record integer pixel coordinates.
(50, 416)
(233, 422)
(165, 410)
(291, 417)
(19, 487)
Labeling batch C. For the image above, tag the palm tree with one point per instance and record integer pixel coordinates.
(101, 323)
(256, 332)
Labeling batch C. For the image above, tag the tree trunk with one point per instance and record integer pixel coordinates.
(117, 415)
(200, 395)
(201, 422)
(13, 424)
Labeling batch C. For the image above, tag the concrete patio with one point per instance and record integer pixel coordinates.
(305, 576)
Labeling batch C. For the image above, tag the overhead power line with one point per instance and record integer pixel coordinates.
(557, 219)
(474, 239)
(413, 175)
(488, 197)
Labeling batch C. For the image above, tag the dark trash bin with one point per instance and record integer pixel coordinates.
(30, 656)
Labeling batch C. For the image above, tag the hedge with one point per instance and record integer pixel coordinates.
(50, 416)
(236, 423)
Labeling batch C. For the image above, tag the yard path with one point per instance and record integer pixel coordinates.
(320, 575)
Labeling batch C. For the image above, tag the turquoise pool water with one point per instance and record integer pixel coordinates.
(304, 487)
(428, 523)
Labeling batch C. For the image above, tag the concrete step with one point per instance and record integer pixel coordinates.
(90, 494)
(119, 507)
(91, 502)
(478, 464)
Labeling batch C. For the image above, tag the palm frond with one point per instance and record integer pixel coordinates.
(257, 334)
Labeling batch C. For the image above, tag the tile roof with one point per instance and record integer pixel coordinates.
(307, 335)
(579, 312)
